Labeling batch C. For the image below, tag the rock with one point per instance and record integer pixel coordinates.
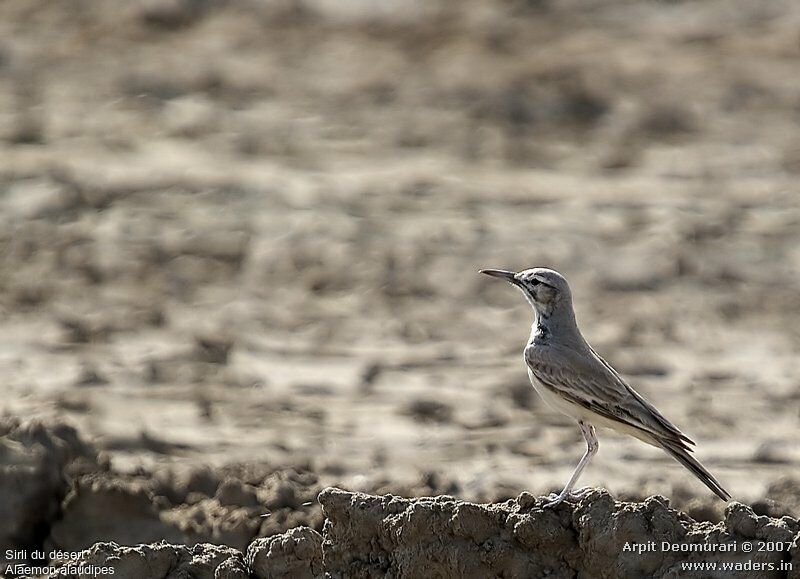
(91, 377)
(129, 510)
(171, 14)
(786, 491)
(667, 121)
(177, 485)
(296, 553)
(36, 465)
(236, 493)
(158, 561)
(214, 349)
(84, 330)
(376, 536)
(428, 411)
(379, 536)
(111, 508)
(209, 521)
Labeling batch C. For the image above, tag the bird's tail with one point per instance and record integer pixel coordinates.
(697, 469)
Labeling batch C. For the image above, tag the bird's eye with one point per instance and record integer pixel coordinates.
(534, 282)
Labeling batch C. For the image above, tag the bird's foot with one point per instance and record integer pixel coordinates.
(580, 493)
(555, 499)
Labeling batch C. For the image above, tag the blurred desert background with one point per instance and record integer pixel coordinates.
(242, 238)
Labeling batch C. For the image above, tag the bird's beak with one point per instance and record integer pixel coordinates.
(502, 274)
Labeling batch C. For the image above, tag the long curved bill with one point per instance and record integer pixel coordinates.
(501, 273)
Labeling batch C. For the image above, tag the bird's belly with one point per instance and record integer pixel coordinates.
(556, 402)
(580, 413)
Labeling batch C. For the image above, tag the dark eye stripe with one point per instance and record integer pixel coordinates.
(538, 281)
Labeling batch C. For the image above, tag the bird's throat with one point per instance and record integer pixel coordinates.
(554, 324)
(540, 330)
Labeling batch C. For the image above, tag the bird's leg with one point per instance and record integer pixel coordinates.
(592, 446)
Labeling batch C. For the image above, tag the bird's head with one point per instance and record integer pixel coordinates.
(544, 288)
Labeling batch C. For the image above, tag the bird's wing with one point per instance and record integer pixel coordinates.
(587, 380)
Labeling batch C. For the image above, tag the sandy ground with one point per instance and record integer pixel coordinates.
(250, 233)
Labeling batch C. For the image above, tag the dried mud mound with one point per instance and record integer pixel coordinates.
(388, 536)
(230, 507)
(369, 536)
(203, 561)
(57, 493)
(37, 462)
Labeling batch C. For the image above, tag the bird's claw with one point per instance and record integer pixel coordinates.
(581, 492)
(555, 499)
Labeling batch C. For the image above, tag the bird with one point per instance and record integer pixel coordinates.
(572, 378)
